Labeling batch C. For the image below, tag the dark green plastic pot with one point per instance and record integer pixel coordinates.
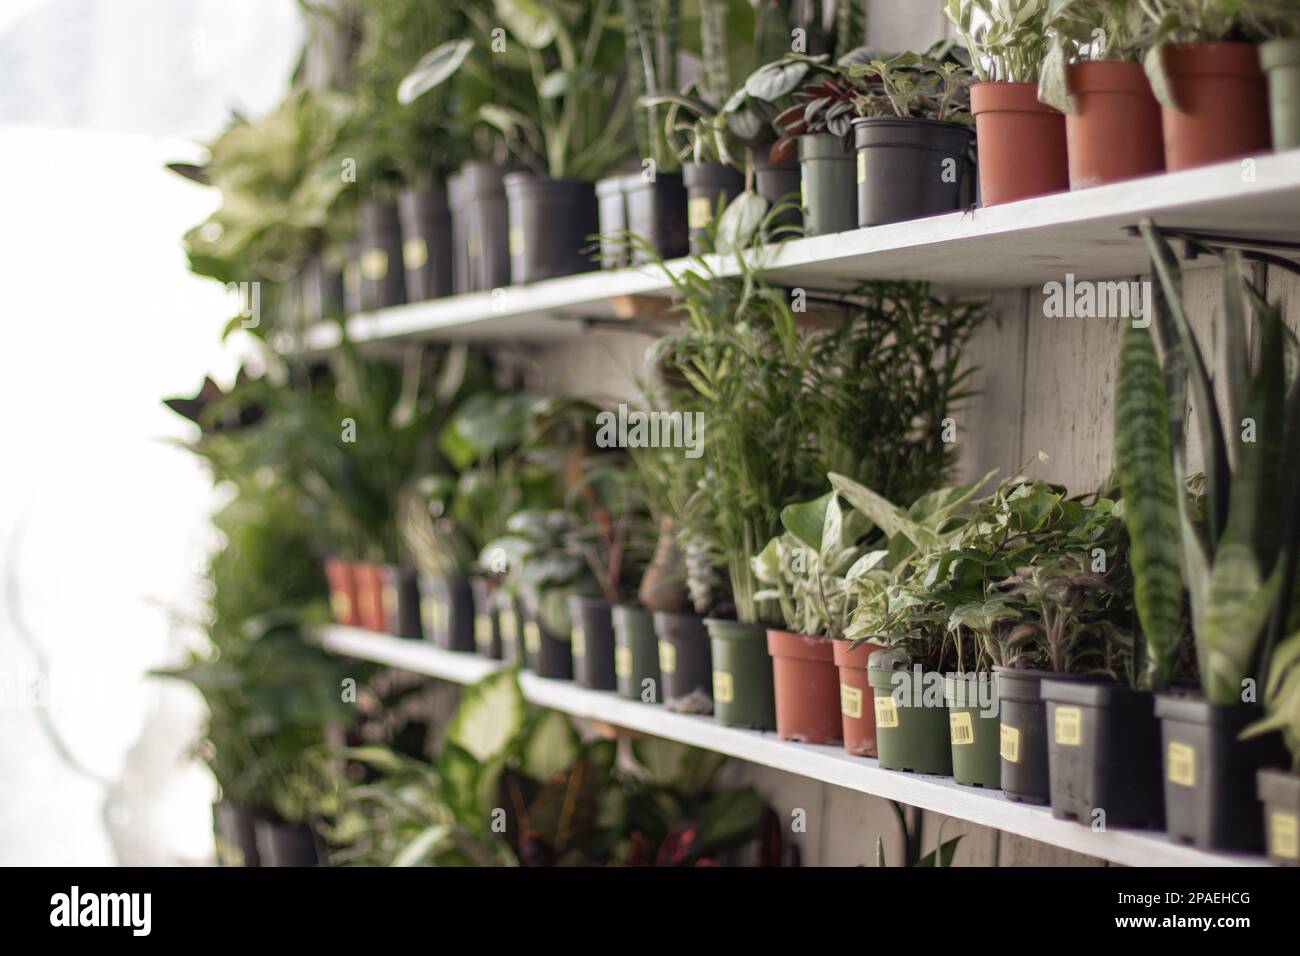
(1280, 60)
(743, 692)
(636, 654)
(709, 187)
(911, 733)
(830, 189)
(973, 726)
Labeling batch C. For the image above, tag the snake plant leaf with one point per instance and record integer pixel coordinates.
(1146, 476)
(435, 68)
(1235, 363)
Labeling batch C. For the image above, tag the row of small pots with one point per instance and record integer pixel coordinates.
(249, 837)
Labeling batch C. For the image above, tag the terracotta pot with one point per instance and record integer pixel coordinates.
(807, 688)
(343, 592)
(1113, 129)
(1280, 60)
(857, 702)
(1021, 143)
(370, 596)
(1222, 104)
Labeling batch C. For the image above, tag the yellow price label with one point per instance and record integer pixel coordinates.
(506, 625)
(1180, 764)
(374, 264)
(341, 605)
(517, 241)
(482, 630)
(699, 212)
(532, 637)
(415, 252)
(1284, 835)
(1009, 744)
(862, 167)
(431, 615)
(961, 728)
(579, 642)
(886, 711)
(667, 657)
(1069, 726)
(850, 701)
(724, 687)
(622, 661)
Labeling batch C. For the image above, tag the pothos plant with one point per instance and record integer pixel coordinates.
(1090, 30)
(1007, 39)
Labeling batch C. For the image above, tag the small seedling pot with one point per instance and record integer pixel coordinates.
(383, 280)
(611, 208)
(656, 211)
(1103, 754)
(1021, 143)
(510, 628)
(973, 729)
(487, 627)
(447, 611)
(1280, 60)
(481, 225)
(807, 688)
(1112, 131)
(743, 695)
(1222, 99)
(1023, 734)
(709, 187)
(1279, 791)
(426, 242)
(592, 641)
(552, 222)
(908, 168)
(780, 184)
(402, 607)
(829, 194)
(685, 662)
(1210, 798)
(636, 654)
(234, 831)
(911, 730)
(857, 702)
(286, 844)
(343, 591)
(370, 596)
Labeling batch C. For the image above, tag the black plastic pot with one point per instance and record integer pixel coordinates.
(636, 654)
(352, 278)
(611, 208)
(685, 662)
(709, 187)
(401, 599)
(1209, 785)
(234, 830)
(322, 288)
(551, 225)
(510, 627)
(656, 211)
(779, 184)
(383, 280)
(487, 630)
(546, 653)
(829, 193)
(481, 225)
(1104, 754)
(592, 642)
(286, 844)
(1023, 734)
(1280, 793)
(447, 611)
(426, 242)
(908, 168)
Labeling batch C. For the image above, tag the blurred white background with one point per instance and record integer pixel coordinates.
(103, 524)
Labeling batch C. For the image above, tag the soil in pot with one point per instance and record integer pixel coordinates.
(592, 642)
(487, 632)
(1112, 131)
(908, 168)
(1280, 793)
(234, 832)
(383, 280)
(973, 729)
(483, 220)
(370, 596)
(857, 703)
(611, 208)
(911, 720)
(546, 653)
(780, 184)
(1209, 786)
(636, 654)
(1280, 60)
(829, 193)
(286, 844)
(552, 222)
(1023, 733)
(807, 688)
(343, 591)
(656, 211)
(709, 187)
(1021, 143)
(447, 611)
(426, 242)
(685, 662)
(1222, 102)
(402, 607)
(743, 694)
(1103, 754)
(510, 628)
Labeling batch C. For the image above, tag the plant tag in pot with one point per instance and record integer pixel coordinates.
(415, 253)
(886, 711)
(1284, 835)
(724, 690)
(532, 637)
(1009, 746)
(850, 701)
(623, 661)
(699, 212)
(961, 729)
(374, 264)
(579, 642)
(667, 657)
(1181, 764)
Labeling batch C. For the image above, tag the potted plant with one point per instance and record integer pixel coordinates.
(1093, 74)
(1279, 56)
(912, 135)
(1205, 71)
(1279, 790)
(1021, 141)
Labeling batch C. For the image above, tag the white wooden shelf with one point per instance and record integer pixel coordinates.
(1013, 245)
(827, 764)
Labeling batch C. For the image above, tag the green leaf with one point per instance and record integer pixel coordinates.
(807, 520)
(885, 515)
(435, 68)
(490, 716)
(528, 21)
(551, 747)
(740, 221)
(1153, 61)
(772, 81)
(1052, 85)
